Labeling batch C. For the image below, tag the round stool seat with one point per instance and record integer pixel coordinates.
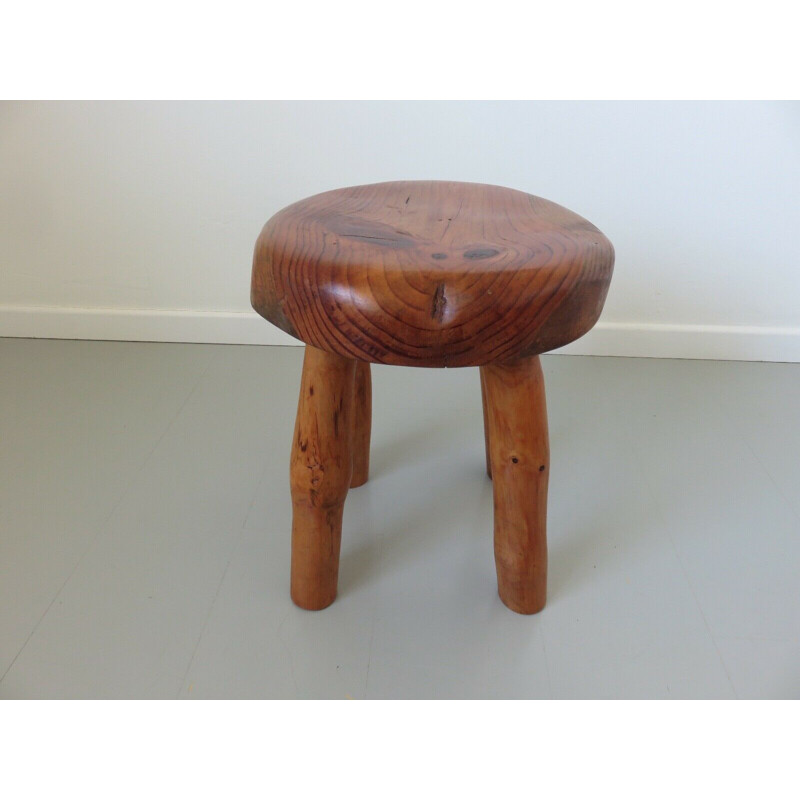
(431, 273)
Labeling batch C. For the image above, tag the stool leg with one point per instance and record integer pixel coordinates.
(362, 424)
(485, 426)
(520, 456)
(320, 472)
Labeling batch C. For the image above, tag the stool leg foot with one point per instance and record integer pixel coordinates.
(520, 456)
(320, 473)
(362, 424)
(485, 425)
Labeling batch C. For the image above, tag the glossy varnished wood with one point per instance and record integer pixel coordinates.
(520, 456)
(320, 474)
(431, 273)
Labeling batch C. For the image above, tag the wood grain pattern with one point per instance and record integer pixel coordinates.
(435, 274)
(431, 273)
(520, 455)
(362, 424)
(320, 474)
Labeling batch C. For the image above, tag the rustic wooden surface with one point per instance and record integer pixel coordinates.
(431, 273)
(520, 454)
(362, 424)
(320, 474)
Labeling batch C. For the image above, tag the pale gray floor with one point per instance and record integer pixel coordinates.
(145, 516)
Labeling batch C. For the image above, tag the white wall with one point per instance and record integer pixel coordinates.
(137, 220)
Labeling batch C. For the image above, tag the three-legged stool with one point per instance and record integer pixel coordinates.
(426, 274)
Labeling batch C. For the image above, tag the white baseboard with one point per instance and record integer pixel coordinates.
(140, 325)
(714, 342)
(648, 340)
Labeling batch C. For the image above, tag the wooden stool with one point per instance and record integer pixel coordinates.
(426, 274)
